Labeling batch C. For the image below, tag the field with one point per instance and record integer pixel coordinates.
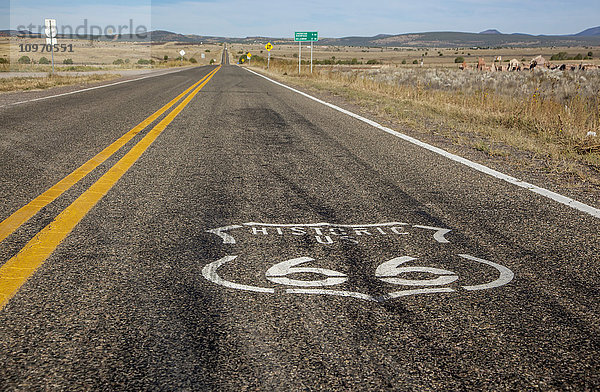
(396, 56)
(104, 54)
(542, 116)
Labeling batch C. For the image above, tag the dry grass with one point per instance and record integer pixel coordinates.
(396, 55)
(24, 84)
(103, 54)
(545, 113)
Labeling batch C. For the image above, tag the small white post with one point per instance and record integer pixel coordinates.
(268, 59)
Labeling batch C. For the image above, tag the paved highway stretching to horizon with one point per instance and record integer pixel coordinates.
(211, 230)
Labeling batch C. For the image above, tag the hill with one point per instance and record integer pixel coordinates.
(593, 32)
(490, 31)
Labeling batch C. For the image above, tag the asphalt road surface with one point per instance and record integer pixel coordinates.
(249, 238)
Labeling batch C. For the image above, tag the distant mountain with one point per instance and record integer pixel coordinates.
(450, 39)
(490, 31)
(593, 32)
(443, 39)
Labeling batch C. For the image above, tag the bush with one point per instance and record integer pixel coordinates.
(68, 61)
(118, 62)
(212, 61)
(404, 61)
(24, 60)
(165, 57)
(415, 61)
(590, 54)
(578, 57)
(144, 62)
(3, 60)
(371, 62)
(193, 60)
(207, 50)
(459, 60)
(44, 60)
(559, 56)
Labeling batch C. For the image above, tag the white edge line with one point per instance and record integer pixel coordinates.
(595, 212)
(92, 88)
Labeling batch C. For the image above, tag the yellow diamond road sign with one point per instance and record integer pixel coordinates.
(249, 55)
(269, 46)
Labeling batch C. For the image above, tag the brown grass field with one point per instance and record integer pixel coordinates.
(395, 56)
(102, 54)
(542, 116)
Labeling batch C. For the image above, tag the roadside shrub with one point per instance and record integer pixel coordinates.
(207, 50)
(193, 60)
(3, 60)
(118, 62)
(44, 60)
(559, 56)
(459, 60)
(165, 57)
(578, 57)
(372, 62)
(68, 61)
(415, 62)
(24, 60)
(404, 61)
(144, 62)
(590, 54)
(212, 61)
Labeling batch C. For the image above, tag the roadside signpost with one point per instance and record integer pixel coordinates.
(51, 33)
(268, 46)
(182, 53)
(249, 55)
(305, 36)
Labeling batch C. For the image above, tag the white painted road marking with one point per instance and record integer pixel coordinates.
(90, 88)
(221, 232)
(328, 233)
(484, 169)
(210, 273)
(387, 271)
(276, 274)
(506, 275)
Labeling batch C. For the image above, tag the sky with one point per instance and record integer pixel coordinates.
(336, 18)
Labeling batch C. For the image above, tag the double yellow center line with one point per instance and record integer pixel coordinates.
(21, 266)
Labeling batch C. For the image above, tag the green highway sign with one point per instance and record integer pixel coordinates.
(304, 36)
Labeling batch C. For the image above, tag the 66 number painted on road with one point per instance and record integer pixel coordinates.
(390, 272)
